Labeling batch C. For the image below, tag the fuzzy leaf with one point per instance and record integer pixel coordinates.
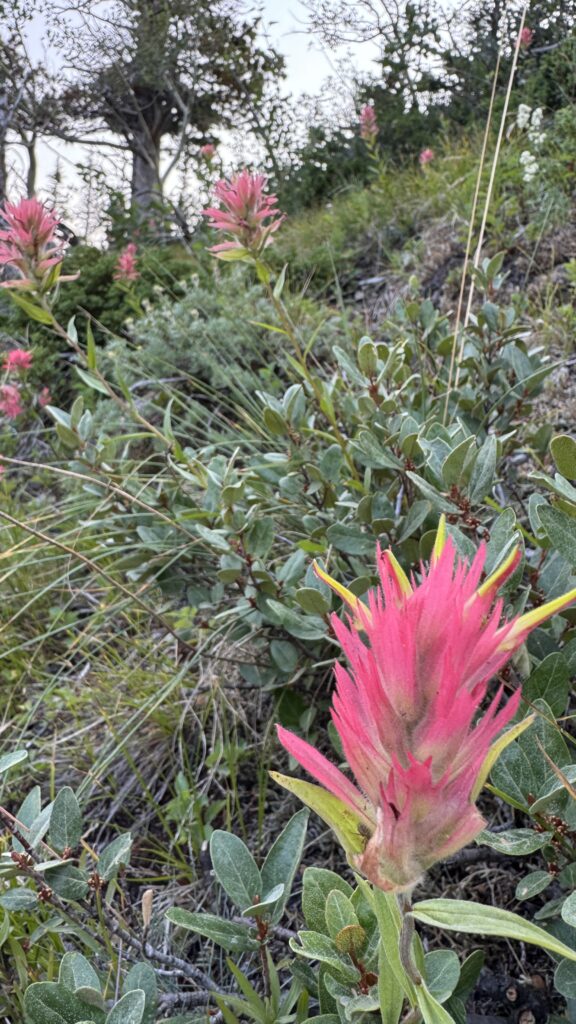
(235, 868)
(477, 919)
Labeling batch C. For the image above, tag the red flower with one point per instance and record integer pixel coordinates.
(368, 123)
(426, 156)
(246, 207)
(526, 37)
(18, 359)
(29, 242)
(126, 269)
(406, 711)
(10, 401)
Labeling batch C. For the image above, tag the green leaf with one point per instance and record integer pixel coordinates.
(565, 979)
(563, 451)
(42, 316)
(76, 972)
(284, 857)
(543, 734)
(27, 813)
(235, 938)
(274, 422)
(477, 919)
(337, 815)
(317, 884)
(40, 826)
(350, 539)
(390, 993)
(284, 655)
(311, 600)
(568, 912)
(229, 255)
(416, 515)
(279, 283)
(114, 856)
(18, 899)
(389, 925)
(550, 681)
(561, 531)
(441, 971)
(469, 973)
(512, 775)
(455, 463)
(260, 537)
(235, 868)
(484, 471)
(339, 913)
(268, 902)
(309, 627)
(532, 884)
(430, 1008)
(143, 976)
(438, 500)
(129, 1009)
(90, 347)
(91, 381)
(68, 881)
(66, 821)
(47, 1002)
(315, 946)
(9, 760)
(323, 1018)
(516, 842)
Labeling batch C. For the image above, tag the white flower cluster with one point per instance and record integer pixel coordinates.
(523, 116)
(531, 121)
(529, 165)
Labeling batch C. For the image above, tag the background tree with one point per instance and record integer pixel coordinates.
(162, 76)
(29, 103)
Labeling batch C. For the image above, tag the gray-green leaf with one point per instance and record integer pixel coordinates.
(235, 868)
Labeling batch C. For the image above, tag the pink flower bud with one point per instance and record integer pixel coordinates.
(44, 398)
(426, 156)
(208, 152)
(526, 37)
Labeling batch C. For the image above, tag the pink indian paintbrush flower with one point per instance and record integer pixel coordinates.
(18, 359)
(10, 401)
(126, 269)
(526, 37)
(368, 123)
(29, 242)
(426, 156)
(208, 151)
(406, 710)
(44, 398)
(245, 209)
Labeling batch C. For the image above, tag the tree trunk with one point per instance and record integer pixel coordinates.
(30, 143)
(145, 189)
(5, 118)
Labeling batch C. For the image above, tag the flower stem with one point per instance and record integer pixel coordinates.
(406, 939)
